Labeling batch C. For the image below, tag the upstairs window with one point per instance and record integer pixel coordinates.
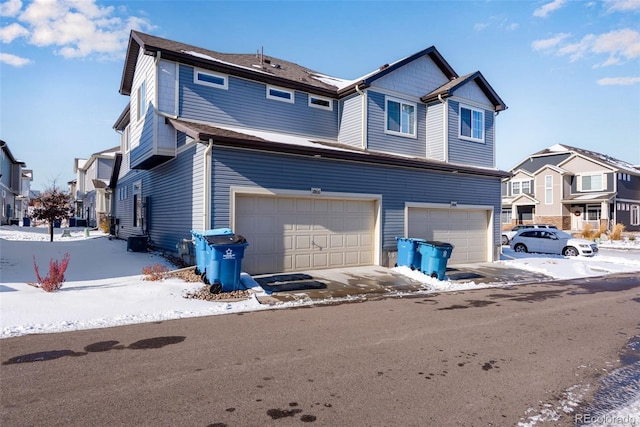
(590, 182)
(526, 187)
(635, 215)
(548, 189)
(320, 102)
(280, 94)
(400, 118)
(471, 124)
(142, 100)
(515, 187)
(208, 78)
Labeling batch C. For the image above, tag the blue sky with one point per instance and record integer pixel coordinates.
(568, 70)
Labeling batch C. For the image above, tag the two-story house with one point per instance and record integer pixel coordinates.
(92, 197)
(14, 202)
(570, 187)
(315, 171)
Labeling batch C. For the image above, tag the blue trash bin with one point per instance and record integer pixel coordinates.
(224, 261)
(72, 222)
(408, 254)
(201, 246)
(434, 258)
(26, 221)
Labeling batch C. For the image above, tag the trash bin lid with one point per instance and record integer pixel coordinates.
(443, 245)
(225, 239)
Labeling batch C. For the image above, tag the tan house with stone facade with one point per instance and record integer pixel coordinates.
(570, 187)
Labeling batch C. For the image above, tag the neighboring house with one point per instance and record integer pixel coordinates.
(315, 171)
(571, 187)
(91, 195)
(14, 201)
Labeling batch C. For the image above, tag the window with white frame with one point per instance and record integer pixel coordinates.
(548, 189)
(125, 139)
(142, 100)
(526, 187)
(208, 78)
(515, 187)
(471, 124)
(635, 214)
(280, 94)
(506, 216)
(320, 102)
(593, 182)
(400, 118)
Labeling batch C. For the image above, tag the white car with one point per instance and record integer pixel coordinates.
(508, 235)
(549, 241)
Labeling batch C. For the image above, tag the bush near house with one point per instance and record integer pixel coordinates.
(616, 233)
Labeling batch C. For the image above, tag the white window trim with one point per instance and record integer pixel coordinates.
(292, 100)
(470, 138)
(321, 98)
(414, 133)
(513, 193)
(634, 216)
(602, 182)
(224, 77)
(549, 187)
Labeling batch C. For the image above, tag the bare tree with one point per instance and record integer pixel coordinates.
(51, 206)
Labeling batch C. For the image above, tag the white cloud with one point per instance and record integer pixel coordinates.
(552, 42)
(621, 81)
(545, 10)
(10, 8)
(620, 46)
(622, 5)
(13, 60)
(12, 32)
(76, 28)
(499, 21)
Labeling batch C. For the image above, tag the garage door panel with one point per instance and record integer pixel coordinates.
(467, 230)
(304, 233)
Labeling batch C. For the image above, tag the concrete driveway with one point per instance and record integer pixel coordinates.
(376, 281)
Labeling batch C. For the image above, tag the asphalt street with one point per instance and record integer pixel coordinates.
(474, 358)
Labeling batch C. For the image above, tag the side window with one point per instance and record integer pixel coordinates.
(400, 117)
(471, 124)
(142, 100)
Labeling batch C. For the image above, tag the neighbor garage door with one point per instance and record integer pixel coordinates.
(293, 234)
(467, 230)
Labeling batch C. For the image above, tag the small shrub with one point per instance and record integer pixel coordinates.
(587, 232)
(154, 272)
(616, 234)
(54, 280)
(104, 226)
(601, 231)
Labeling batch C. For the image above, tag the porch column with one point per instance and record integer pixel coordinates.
(514, 214)
(604, 214)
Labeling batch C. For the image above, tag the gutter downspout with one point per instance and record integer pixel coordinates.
(445, 130)
(206, 194)
(363, 127)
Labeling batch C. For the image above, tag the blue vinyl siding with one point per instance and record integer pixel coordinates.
(396, 185)
(146, 147)
(175, 193)
(462, 151)
(245, 104)
(378, 140)
(435, 132)
(351, 121)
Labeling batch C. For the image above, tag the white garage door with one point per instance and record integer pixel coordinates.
(466, 230)
(293, 234)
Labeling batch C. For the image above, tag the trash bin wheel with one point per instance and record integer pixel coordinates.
(434, 274)
(203, 276)
(216, 288)
(198, 272)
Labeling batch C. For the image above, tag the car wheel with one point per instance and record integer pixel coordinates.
(504, 240)
(570, 251)
(520, 248)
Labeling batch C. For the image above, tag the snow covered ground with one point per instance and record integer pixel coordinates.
(104, 285)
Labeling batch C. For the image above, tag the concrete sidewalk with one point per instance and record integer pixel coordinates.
(376, 281)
